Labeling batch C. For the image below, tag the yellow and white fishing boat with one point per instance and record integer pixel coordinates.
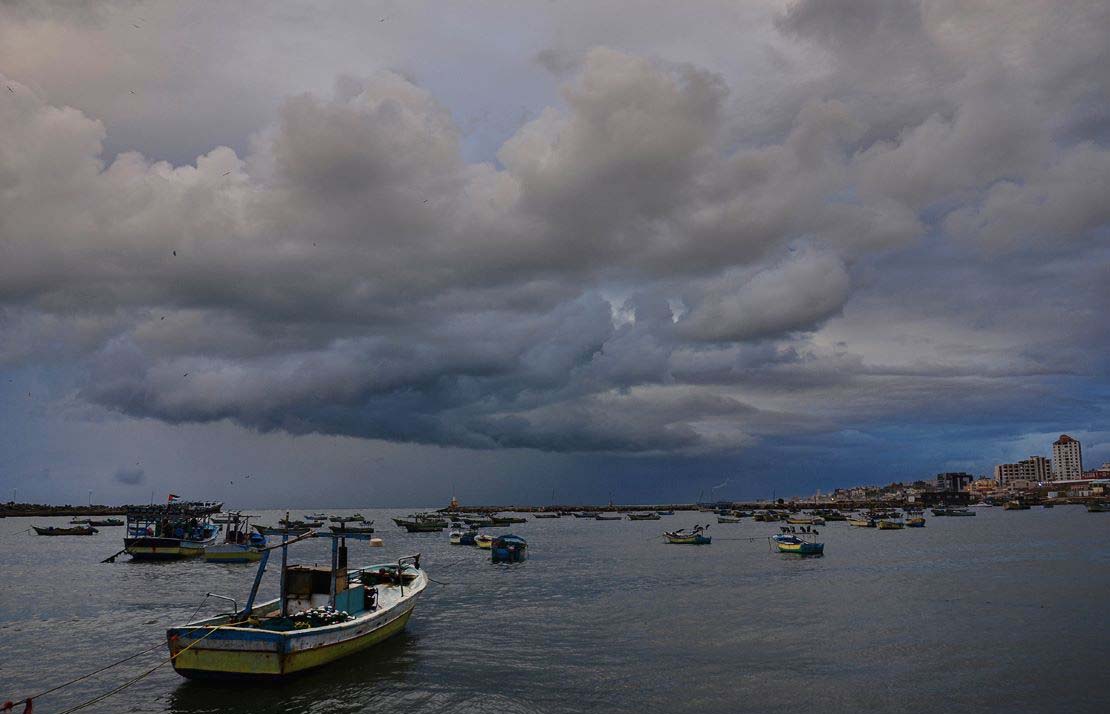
(322, 615)
(483, 541)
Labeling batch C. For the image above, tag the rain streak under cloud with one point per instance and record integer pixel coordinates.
(840, 242)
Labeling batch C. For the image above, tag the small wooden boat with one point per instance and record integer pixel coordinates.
(643, 516)
(321, 615)
(728, 519)
(583, 515)
(107, 522)
(508, 548)
(546, 515)
(356, 518)
(805, 520)
(507, 520)
(790, 543)
(665, 513)
(343, 528)
(421, 523)
(483, 541)
(74, 531)
(861, 522)
(1098, 507)
(915, 522)
(272, 530)
(240, 544)
(1015, 505)
(607, 517)
(694, 536)
(478, 521)
(945, 511)
(889, 524)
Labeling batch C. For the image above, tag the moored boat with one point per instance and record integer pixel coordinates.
(342, 528)
(791, 543)
(607, 517)
(547, 515)
(915, 522)
(665, 513)
(240, 543)
(107, 522)
(693, 536)
(728, 519)
(171, 531)
(483, 541)
(1098, 507)
(802, 519)
(74, 531)
(508, 548)
(1015, 505)
(861, 522)
(891, 524)
(643, 516)
(278, 531)
(321, 615)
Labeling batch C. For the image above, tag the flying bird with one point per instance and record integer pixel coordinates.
(226, 173)
(11, 90)
(175, 254)
(185, 375)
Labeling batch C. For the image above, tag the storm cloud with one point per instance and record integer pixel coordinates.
(664, 257)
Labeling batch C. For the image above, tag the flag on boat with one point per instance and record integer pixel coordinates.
(172, 497)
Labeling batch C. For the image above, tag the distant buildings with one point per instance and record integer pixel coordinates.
(1005, 474)
(1067, 459)
(953, 481)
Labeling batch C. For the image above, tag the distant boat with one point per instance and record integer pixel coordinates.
(805, 520)
(1015, 505)
(915, 522)
(508, 548)
(106, 522)
(81, 521)
(546, 515)
(483, 541)
(790, 543)
(1098, 507)
(344, 528)
(356, 518)
(728, 519)
(320, 615)
(583, 515)
(74, 531)
(507, 520)
(665, 513)
(694, 536)
(861, 522)
(607, 517)
(643, 516)
(945, 511)
(272, 530)
(890, 524)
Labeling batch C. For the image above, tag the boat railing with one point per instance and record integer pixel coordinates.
(233, 601)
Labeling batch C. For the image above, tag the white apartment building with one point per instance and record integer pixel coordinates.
(1067, 459)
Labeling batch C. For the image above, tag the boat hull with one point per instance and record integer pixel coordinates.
(149, 548)
(689, 540)
(802, 548)
(231, 553)
(257, 654)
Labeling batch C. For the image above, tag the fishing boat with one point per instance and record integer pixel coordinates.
(643, 516)
(240, 543)
(915, 522)
(861, 522)
(320, 615)
(583, 515)
(278, 531)
(478, 521)
(1015, 505)
(343, 528)
(508, 548)
(421, 523)
(728, 519)
(946, 511)
(546, 515)
(890, 524)
(107, 522)
(80, 521)
(693, 536)
(801, 519)
(607, 517)
(665, 513)
(1098, 507)
(483, 541)
(170, 531)
(792, 543)
(356, 518)
(74, 531)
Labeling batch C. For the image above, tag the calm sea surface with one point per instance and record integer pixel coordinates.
(1006, 611)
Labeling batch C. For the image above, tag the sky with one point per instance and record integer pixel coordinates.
(376, 254)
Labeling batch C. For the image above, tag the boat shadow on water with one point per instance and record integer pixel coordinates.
(360, 681)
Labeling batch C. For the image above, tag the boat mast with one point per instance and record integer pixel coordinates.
(284, 560)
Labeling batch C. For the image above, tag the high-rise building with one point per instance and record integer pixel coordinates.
(1067, 459)
(1036, 468)
(1005, 473)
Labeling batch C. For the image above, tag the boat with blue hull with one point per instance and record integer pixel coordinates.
(508, 548)
(240, 544)
(791, 543)
(322, 614)
(694, 536)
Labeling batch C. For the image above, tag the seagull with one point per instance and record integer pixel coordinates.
(163, 317)
(175, 254)
(132, 91)
(185, 375)
(226, 173)
(11, 90)
(425, 200)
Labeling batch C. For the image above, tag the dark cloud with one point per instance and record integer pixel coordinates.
(645, 267)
